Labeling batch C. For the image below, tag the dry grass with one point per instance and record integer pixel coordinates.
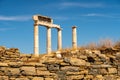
(91, 46)
(117, 45)
(101, 44)
(106, 43)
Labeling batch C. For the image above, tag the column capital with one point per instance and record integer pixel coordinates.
(35, 24)
(74, 27)
(59, 29)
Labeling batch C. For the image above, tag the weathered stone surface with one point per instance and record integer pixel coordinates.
(77, 73)
(87, 77)
(101, 66)
(70, 68)
(38, 78)
(49, 79)
(15, 64)
(43, 73)
(103, 71)
(80, 65)
(40, 65)
(13, 72)
(118, 78)
(100, 77)
(30, 64)
(118, 55)
(41, 68)
(4, 78)
(22, 79)
(53, 60)
(61, 75)
(93, 71)
(3, 64)
(66, 60)
(75, 77)
(78, 62)
(28, 70)
(53, 67)
(109, 77)
(112, 70)
(64, 64)
(82, 57)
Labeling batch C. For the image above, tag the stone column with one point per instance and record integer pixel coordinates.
(36, 40)
(59, 46)
(74, 37)
(48, 40)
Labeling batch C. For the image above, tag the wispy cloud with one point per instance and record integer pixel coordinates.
(101, 15)
(14, 18)
(60, 18)
(93, 14)
(83, 5)
(6, 29)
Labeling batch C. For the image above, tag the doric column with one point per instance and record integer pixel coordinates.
(36, 40)
(74, 37)
(48, 40)
(59, 46)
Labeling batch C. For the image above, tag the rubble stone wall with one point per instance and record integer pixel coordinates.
(68, 65)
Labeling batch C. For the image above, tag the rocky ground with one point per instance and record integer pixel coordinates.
(81, 64)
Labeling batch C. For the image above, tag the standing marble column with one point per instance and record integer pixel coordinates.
(48, 40)
(36, 40)
(74, 37)
(59, 46)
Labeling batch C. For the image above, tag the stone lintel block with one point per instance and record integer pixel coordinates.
(15, 64)
(42, 18)
(3, 64)
(70, 68)
(75, 77)
(41, 68)
(44, 73)
(77, 73)
(38, 78)
(101, 66)
(21, 79)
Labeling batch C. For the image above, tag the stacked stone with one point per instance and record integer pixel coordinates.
(9, 55)
(71, 65)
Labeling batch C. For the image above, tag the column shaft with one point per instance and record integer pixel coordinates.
(59, 39)
(48, 40)
(74, 38)
(36, 40)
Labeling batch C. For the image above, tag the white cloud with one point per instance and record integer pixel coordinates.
(83, 5)
(101, 15)
(60, 18)
(6, 29)
(93, 14)
(14, 18)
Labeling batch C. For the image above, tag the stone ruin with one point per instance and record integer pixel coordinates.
(75, 64)
(48, 23)
(83, 64)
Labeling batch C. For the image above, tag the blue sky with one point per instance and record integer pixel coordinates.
(95, 20)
